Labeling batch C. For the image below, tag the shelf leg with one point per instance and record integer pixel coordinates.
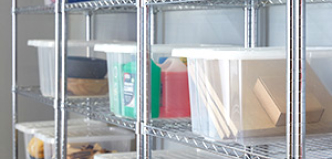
(251, 24)
(64, 37)
(143, 79)
(60, 115)
(296, 63)
(14, 81)
(56, 105)
(250, 41)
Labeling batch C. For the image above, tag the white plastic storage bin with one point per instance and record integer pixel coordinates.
(30, 128)
(121, 60)
(46, 59)
(239, 94)
(164, 154)
(84, 139)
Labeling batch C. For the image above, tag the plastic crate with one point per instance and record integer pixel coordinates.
(30, 128)
(46, 61)
(109, 138)
(239, 94)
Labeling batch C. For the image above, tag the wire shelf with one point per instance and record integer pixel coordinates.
(200, 3)
(278, 2)
(111, 6)
(179, 130)
(317, 146)
(100, 6)
(96, 108)
(211, 4)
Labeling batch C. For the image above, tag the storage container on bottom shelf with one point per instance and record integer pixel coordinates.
(239, 94)
(30, 128)
(189, 153)
(85, 142)
(86, 75)
(170, 76)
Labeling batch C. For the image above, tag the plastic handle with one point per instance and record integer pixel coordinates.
(173, 65)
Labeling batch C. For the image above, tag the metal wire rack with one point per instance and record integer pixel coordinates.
(96, 108)
(111, 6)
(279, 2)
(179, 130)
(200, 2)
(229, 3)
(103, 6)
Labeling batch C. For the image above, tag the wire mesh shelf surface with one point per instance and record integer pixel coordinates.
(111, 6)
(317, 146)
(238, 3)
(89, 6)
(96, 108)
(179, 130)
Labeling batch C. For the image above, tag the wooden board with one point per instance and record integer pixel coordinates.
(270, 92)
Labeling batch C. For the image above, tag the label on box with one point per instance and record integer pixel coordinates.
(129, 89)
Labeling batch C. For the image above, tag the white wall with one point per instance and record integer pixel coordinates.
(223, 26)
(120, 26)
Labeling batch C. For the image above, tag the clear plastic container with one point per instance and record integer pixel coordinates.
(81, 140)
(30, 128)
(121, 60)
(239, 94)
(46, 59)
(164, 154)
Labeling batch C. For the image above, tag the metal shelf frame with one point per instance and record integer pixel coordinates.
(116, 6)
(176, 130)
(102, 6)
(96, 108)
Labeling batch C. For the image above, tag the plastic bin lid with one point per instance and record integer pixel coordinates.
(71, 43)
(32, 127)
(239, 53)
(163, 154)
(87, 134)
(130, 48)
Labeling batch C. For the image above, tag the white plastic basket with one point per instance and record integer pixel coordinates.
(109, 138)
(46, 60)
(30, 128)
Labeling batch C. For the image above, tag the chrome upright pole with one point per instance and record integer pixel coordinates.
(14, 81)
(63, 87)
(57, 82)
(296, 75)
(250, 41)
(60, 80)
(251, 24)
(143, 80)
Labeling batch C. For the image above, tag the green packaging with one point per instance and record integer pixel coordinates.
(129, 89)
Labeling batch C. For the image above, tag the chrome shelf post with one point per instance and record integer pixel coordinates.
(296, 79)
(14, 81)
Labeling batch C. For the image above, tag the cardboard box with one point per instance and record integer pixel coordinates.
(271, 93)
